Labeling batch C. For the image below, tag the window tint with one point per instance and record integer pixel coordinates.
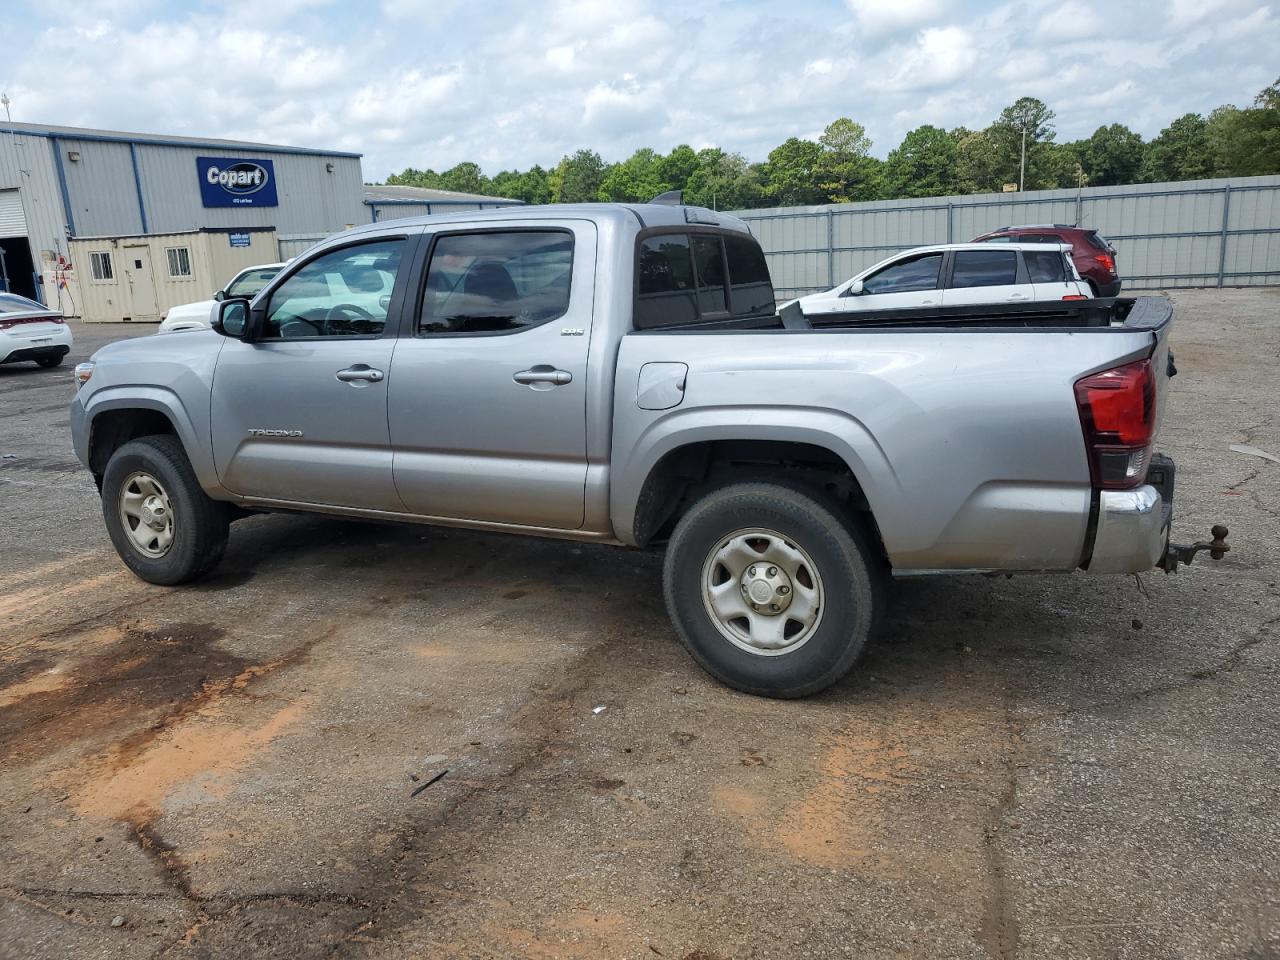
(1003, 238)
(906, 276)
(1098, 241)
(665, 295)
(343, 293)
(985, 268)
(1046, 266)
(249, 283)
(712, 296)
(749, 283)
(496, 281)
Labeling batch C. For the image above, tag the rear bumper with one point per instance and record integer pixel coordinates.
(1132, 530)
(37, 353)
(1108, 289)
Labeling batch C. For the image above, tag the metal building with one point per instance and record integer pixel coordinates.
(64, 190)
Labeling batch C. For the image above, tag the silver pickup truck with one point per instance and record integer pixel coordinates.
(620, 374)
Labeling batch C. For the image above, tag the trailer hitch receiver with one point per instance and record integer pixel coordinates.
(1178, 553)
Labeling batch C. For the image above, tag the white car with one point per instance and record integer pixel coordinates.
(30, 331)
(956, 274)
(195, 316)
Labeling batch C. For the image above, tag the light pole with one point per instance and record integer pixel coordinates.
(4, 102)
(1022, 160)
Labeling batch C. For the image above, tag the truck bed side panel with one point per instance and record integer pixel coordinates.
(967, 444)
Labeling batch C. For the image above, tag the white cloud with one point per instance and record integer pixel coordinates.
(428, 83)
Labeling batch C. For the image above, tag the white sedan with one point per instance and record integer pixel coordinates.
(196, 316)
(30, 331)
(956, 274)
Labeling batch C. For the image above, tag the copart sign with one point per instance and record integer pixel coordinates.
(231, 182)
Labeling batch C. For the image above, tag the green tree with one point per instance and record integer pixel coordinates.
(923, 165)
(1182, 151)
(1113, 155)
(638, 179)
(976, 161)
(1246, 143)
(678, 166)
(465, 177)
(724, 181)
(792, 172)
(577, 178)
(844, 170)
(531, 186)
(411, 177)
(1026, 118)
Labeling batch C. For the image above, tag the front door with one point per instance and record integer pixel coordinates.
(142, 285)
(489, 388)
(300, 414)
(909, 283)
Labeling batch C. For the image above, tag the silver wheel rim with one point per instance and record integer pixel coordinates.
(762, 591)
(146, 514)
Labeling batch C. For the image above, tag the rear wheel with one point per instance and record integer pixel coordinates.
(772, 589)
(163, 525)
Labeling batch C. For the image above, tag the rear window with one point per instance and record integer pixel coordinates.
(985, 268)
(1097, 241)
(684, 278)
(1046, 266)
(12, 303)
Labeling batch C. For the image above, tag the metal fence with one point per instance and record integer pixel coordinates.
(1200, 233)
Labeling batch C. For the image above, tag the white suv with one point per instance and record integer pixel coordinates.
(956, 274)
(195, 316)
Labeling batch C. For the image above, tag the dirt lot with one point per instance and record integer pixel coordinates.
(1036, 767)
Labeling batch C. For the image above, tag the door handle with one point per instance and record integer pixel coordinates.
(1018, 296)
(543, 373)
(359, 371)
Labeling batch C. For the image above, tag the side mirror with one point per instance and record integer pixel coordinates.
(220, 295)
(855, 289)
(233, 318)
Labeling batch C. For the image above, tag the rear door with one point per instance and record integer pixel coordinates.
(989, 275)
(300, 414)
(488, 393)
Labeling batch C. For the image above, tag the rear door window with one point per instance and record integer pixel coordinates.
(1046, 266)
(985, 268)
(905, 276)
(496, 281)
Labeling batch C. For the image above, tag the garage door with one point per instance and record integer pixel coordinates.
(12, 222)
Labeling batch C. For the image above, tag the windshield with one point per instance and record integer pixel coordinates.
(251, 281)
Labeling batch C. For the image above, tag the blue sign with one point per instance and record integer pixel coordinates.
(228, 182)
(238, 239)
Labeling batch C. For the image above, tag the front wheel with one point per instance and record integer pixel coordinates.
(163, 525)
(772, 589)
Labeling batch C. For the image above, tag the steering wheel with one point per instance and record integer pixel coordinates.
(343, 317)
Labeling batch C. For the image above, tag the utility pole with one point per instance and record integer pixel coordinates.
(4, 102)
(1022, 161)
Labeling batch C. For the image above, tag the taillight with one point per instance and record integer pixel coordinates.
(12, 322)
(1075, 296)
(1108, 262)
(1118, 413)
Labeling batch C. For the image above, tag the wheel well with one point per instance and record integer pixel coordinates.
(112, 429)
(688, 472)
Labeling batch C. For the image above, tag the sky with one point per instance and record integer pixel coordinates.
(429, 83)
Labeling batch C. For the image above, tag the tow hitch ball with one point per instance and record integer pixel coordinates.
(1177, 553)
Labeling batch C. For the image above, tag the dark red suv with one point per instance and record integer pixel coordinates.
(1091, 252)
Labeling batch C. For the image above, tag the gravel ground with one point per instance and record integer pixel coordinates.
(1052, 767)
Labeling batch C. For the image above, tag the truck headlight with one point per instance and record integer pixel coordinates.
(83, 372)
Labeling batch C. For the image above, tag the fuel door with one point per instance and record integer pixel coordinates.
(661, 385)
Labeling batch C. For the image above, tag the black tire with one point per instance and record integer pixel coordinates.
(851, 572)
(200, 525)
(48, 362)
